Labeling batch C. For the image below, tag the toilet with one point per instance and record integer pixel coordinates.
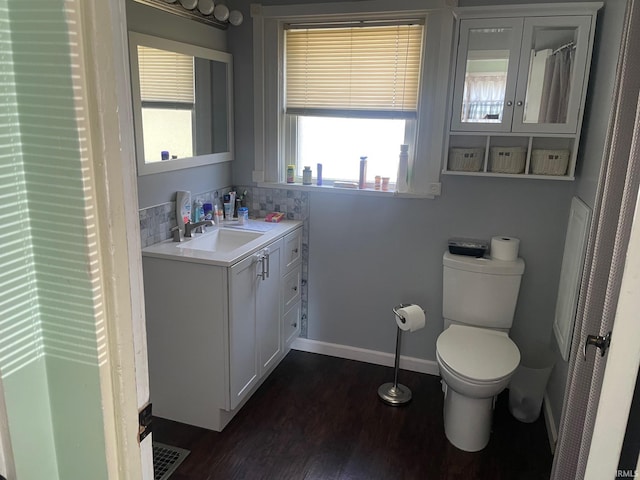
(475, 355)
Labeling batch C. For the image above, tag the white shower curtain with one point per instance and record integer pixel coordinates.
(557, 86)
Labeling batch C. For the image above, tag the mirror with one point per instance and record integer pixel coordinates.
(486, 75)
(550, 74)
(182, 104)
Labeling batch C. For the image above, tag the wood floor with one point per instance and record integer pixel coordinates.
(319, 417)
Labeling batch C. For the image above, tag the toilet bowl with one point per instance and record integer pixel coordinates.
(475, 364)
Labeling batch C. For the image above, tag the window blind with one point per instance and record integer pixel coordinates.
(165, 76)
(370, 71)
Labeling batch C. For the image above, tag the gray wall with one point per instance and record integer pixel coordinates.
(161, 187)
(369, 254)
(598, 109)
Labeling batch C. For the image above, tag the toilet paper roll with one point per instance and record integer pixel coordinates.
(505, 248)
(410, 318)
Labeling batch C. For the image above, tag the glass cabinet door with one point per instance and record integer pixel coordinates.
(552, 74)
(486, 74)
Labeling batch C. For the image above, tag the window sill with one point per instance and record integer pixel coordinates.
(367, 192)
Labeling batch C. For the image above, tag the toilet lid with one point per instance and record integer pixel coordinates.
(477, 353)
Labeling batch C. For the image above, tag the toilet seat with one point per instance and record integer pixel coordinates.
(477, 354)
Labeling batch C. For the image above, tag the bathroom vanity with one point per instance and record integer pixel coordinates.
(222, 310)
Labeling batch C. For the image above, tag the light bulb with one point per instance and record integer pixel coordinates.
(221, 12)
(235, 18)
(205, 7)
(189, 4)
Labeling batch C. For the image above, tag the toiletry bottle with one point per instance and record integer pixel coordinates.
(362, 183)
(183, 208)
(198, 211)
(218, 217)
(402, 185)
(208, 210)
(319, 175)
(291, 173)
(306, 176)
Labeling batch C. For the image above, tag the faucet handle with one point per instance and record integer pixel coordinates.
(177, 233)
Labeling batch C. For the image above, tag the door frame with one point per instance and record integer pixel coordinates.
(102, 34)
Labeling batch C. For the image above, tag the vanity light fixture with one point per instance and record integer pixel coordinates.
(205, 11)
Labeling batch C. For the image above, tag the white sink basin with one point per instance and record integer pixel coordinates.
(220, 240)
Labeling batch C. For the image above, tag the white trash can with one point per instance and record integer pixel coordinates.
(527, 386)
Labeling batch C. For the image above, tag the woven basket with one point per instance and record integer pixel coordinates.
(549, 162)
(466, 159)
(507, 159)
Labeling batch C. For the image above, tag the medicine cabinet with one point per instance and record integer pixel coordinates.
(182, 104)
(519, 87)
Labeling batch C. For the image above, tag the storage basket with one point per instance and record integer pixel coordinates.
(507, 159)
(549, 162)
(466, 159)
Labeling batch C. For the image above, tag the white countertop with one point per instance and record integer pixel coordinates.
(169, 249)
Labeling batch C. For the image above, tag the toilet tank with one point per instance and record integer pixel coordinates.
(480, 291)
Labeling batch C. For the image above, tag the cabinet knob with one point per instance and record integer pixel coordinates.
(295, 289)
(509, 103)
(295, 250)
(294, 325)
(520, 103)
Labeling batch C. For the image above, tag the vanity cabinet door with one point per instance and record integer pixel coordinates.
(268, 308)
(486, 74)
(243, 346)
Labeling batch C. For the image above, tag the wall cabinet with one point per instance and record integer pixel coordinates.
(519, 88)
(215, 333)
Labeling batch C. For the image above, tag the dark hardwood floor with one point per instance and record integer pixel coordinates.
(319, 417)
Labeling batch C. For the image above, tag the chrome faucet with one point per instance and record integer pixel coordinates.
(190, 227)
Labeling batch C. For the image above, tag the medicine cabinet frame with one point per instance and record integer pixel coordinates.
(145, 167)
(512, 132)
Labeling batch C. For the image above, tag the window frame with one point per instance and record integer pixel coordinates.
(269, 118)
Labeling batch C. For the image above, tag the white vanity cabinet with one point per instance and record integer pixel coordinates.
(519, 85)
(216, 332)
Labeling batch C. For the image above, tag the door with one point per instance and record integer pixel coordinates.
(621, 370)
(243, 346)
(268, 308)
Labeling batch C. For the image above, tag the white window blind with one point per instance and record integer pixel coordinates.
(165, 76)
(370, 71)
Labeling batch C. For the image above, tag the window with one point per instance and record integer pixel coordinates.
(368, 98)
(167, 98)
(351, 91)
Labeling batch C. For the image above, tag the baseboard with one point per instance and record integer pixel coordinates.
(550, 423)
(413, 364)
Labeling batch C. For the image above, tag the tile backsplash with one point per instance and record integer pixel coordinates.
(156, 221)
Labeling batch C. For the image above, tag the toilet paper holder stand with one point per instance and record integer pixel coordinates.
(396, 394)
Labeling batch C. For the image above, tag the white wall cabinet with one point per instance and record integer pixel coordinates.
(519, 88)
(215, 333)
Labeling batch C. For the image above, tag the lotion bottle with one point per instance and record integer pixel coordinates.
(183, 208)
(402, 185)
(362, 183)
